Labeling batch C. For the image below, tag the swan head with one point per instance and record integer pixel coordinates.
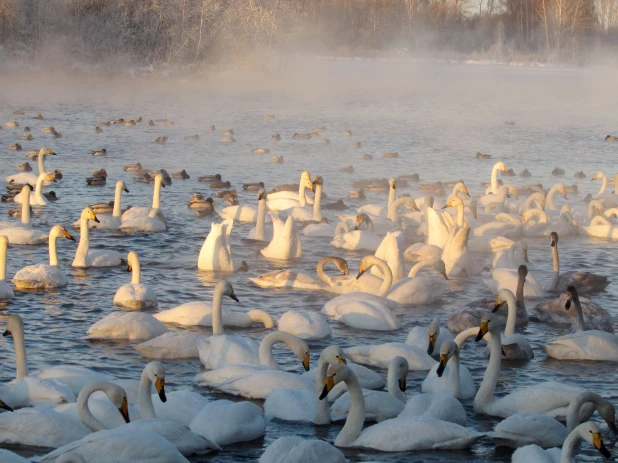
(159, 179)
(305, 177)
(597, 175)
(433, 332)
(340, 263)
(46, 151)
(489, 324)
(428, 201)
(591, 433)
(228, 290)
(333, 355)
(562, 190)
(336, 374)
(440, 267)
(318, 181)
(26, 189)
(14, 324)
(501, 166)
(58, 231)
(453, 203)
(392, 183)
(504, 295)
(118, 397)
(362, 218)
(122, 186)
(553, 239)
(261, 194)
(132, 260)
(156, 374)
(513, 191)
(572, 297)
(89, 214)
(5, 406)
(402, 367)
(447, 350)
(364, 266)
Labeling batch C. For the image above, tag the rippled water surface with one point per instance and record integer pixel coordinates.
(436, 116)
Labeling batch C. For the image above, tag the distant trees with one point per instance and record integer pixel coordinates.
(239, 32)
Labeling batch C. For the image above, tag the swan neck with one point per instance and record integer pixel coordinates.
(261, 220)
(83, 411)
(319, 270)
(569, 446)
(266, 348)
(302, 199)
(323, 411)
(392, 383)
(511, 318)
(579, 316)
(494, 180)
(217, 308)
(356, 416)
(418, 266)
(555, 258)
(25, 209)
(392, 192)
(84, 237)
(549, 200)
(21, 360)
(53, 252)
(116, 212)
(38, 189)
(465, 334)
(575, 406)
(603, 185)
(2, 260)
(41, 163)
(144, 397)
(317, 201)
(342, 227)
(485, 395)
(454, 381)
(156, 197)
(616, 184)
(388, 276)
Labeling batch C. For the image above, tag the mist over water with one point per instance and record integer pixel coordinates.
(436, 115)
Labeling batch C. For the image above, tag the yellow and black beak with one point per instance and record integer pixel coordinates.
(124, 410)
(53, 153)
(447, 205)
(497, 305)
(506, 169)
(567, 304)
(597, 441)
(442, 365)
(7, 333)
(484, 328)
(95, 218)
(160, 385)
(361, 270)
(68, 236)
(403, 384)
(342, 360)
(233, 296)
(126, 190)
(328, 385)
(465, 191)
(415, 207)
(51, 178)
(306, 361)
(432, 344)
(311, 185)
(5, 406)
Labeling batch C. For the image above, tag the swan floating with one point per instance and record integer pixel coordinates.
(286, 244)
(36, 197)
(135, 295)
(23, 233)
(84, 258)
(147, 219)
(216, 252)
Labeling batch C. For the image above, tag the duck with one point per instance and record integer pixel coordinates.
(216, 254)
(301, 136)
(14, 147)
(283, 200)
(96, 181)
(579, 174)
(23, 233)
(198, 202)
(260, 150)
(480, 155)
(286, 243)
(42, 276)
(275, 137)
(149, 219)
(355, 240)
(525, 173)
(161, 140)
(84, 257)
(182, 175)
(192, 137)
(132, 167)
(135, 295)
(395, 434)
(98, 129)
(132, 326)
(11, 124)
(99, 152)
(227, 140)
(253, 186)
(611, 138)
(107, 221)
(557, 172)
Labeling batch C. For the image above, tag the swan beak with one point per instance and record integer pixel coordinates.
(447, 205)
(306, 362)
(442, 365)
(482, 331)
(432, 343)
(51, 178)
(415, 207)
(466, 192)
(506, 169)
(160, 385)
(523, 219)
(126, 190)
(53, 153)
(402, 384)
(233, 296)
(342, 360)
(552, 241)
(597, 441)
(497, 305)
(129, 268)
(68, 236)
(124, 410)
(311, 186)
(7, 333)
(5, 406)
(94, 217)
(361, 270)
(328, 385)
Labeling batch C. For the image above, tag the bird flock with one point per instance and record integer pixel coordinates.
(445, 235)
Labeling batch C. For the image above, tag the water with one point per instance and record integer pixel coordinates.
(436, 116)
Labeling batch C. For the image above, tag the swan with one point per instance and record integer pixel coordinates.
(499, 166)
(589, 432)
(260, 232)
(394, 206)
(550, 397)
(455, 255)
(379, 405)
(441, 407)
(303, 214)
(301, 280)
(440, 225)
(146, 218)
(506, 258)
(366, 311)
(537, 228)
(7, 456)
(416, 290)
(428, 337)
(42, 276)
(549, 199)
(584, 282)
(84, 258)
(26, 390)
(133, 326)
(107, 221)
(533, 428)
(495, 201)
(286, 244)
(603, 191)
(29, 177)
(582, 345)
(283, 200)
(135, 295)
(171, 345)
(303, 404)
(380, 355)
(295, 449)
(377, 210)
(6, 292)
(240, 213)
(23, 233)
(357, 240)
(391, 252)
(216, 252)
(305, 325)
(396, 434)
(515, 346)
(36, 197)
(506, 278)
(421, 251)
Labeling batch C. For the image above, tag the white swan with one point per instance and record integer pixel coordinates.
(582, 345)
(499, 166)
(305, 325)
(396, 434)
(420, 290)
(380, 355)
(549, 199)
(457, 259)
(27, 390)
(550, 397)
(428, 337)
(134, 326)
(29, 177)
(284, 200)
(300, 280)
(6, 292)
(304, 214)
(506, 278)
(286, 244)
(391, 252)
(601, 227)
(506, 258)
(356, 240)
(539, 227)
(379, 405)
(514, 345)
(363, 310)
(216, 252)
(135, 295)
(42, 276)
(295, 449)
(149, 219)
(533, 428)
(84, 258)
(107, 221)
(379, 210)
(260, 232)
(589, 432)
(443, 407)
(36, 196)
(23, 233)
(440, 225)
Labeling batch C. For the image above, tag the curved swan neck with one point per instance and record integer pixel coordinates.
(217, 308)
(465, 334)
(319, 270)
(3, 245)
(568, 448)
(418, 266)
(386, 272)
(82, 406)
(259, 316)
(266, 347)
(356, 416)
(603, 185)
(21, 361)
(392, 382)
(519, 296)
(511, 318)
(616, 184)
(117, 212)
(507, 218)
(538, 197)
(53, 252)
(593, 207)
(261, 220)
(540, 214)
(156, 196)
(317, 201)
(144, 397)
(342, 227)
(575, 406)
(485, 395)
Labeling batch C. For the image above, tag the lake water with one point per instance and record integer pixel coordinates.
(437, 116)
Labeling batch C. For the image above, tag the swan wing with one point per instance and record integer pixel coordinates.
(529, 428)
(443, 407)
(584, 345)
(380, 355)
(171, 345)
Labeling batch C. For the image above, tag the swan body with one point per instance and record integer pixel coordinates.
(216, 253)
(295, 449)
(73, 376)
(304, 214)
(84, 258)
(427, 337)
(595, 317)
(419, 290)
(380, 355)
(135, 295)
(357, 240)
(420, 251)
(42, 276)
(146, 218)
(443, 407)
(224, 423)
(305, 325)
(244, 213)
(284, 200)
(172, 345)
(286, 244)
(23, 233)
(507, 279)
(134, 326)
(201, 314)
